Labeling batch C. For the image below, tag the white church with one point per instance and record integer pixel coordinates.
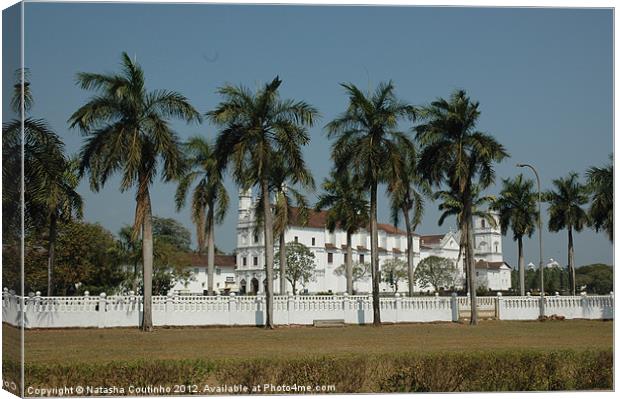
(329, 249)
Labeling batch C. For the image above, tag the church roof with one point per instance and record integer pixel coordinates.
(483, 264)
(431, 239)
(220, 260)
(318, 220)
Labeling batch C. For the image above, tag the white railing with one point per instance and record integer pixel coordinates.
(124, 311)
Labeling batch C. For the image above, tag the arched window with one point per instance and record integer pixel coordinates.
(496, 247)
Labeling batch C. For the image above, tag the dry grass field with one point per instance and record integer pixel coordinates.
(129, 344)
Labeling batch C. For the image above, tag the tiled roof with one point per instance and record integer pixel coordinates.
(362, 248)
(483, 264)
(397, 251)
(318, 220)
(220, 260)
(431, 239)
(330, 246)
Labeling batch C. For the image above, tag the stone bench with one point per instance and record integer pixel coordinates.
(328, 323)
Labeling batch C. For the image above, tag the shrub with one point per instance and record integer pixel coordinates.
(410, 372)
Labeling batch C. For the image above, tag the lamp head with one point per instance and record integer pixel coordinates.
(520, 165)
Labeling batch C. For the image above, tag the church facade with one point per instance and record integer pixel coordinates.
(329, 249)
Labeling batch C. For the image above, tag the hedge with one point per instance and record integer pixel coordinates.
(407, 372)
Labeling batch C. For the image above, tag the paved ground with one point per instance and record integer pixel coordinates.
(94, 345)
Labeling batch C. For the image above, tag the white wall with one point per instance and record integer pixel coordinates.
(125, 311)
(198, 282)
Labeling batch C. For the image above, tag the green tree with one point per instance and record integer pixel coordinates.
(170, 255)
(566, 211)
(369, 144)
(64, 204)
(347, 208)
(437, 272)
(517, 210)
(359, 271)
(127, 131)
(173, 232)
(407, 191)
(86, 259)
(209, 198)
(598, 278)
(394, 271)
(130, 251)
(256, 128)
(300, 265)
(459, 156)
(601, 186)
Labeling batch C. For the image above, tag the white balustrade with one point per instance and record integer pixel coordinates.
(173, 310)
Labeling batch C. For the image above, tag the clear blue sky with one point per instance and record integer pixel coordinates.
(543, 78)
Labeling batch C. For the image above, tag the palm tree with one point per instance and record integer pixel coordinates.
(50, 178)
(209, 199)
(282, 184)
(601, 186)
(453, 205)
(64, 204)
(407, 191)
(517, 209)
(369, 143)
(127, 131)
(347, 208)
(566, 212)
(44, 163)
(256, 127)
(460, 157)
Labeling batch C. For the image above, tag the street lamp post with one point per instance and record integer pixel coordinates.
(540, 246)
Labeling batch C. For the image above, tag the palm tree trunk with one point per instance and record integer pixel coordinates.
(50, 255)
(134, 284)
(268, 230)
(282, 265)
(471, 266)
(374, 256)
(349, 265)
(210, 251)
(409, 251)
(147, 264)
(571, 261)
(521, 267)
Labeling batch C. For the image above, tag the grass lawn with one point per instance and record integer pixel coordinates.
(129, 344)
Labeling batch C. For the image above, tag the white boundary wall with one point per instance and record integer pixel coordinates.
(125, 311)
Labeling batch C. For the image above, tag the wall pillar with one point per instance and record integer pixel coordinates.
(102, 310)
(454, 305)
(498, 306)
(232, 308)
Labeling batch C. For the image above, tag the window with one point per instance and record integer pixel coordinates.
(244, 260)
(255, 261)
(345, 258)
(361, 258)
(482, 223)
(313, 242)
(255, 238)
(496, 247)
(296, 239)
(218, 271)
(330, 258)
(196, 270)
